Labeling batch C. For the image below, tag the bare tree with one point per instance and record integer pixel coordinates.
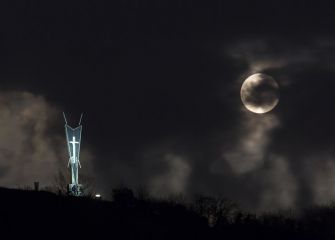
(216, 210)
(60, 183)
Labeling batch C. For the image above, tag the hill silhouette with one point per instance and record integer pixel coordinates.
(41, 214)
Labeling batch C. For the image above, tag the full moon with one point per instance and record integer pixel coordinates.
(260, 93)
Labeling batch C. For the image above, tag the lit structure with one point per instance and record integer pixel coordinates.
(73, 138)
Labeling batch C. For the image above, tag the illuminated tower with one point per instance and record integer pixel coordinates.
(73, 137)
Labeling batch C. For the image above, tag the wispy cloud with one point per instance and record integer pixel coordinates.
(248, 153)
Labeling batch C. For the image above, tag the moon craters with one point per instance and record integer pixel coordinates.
(260, 93)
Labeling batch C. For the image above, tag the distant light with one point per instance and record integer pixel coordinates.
(97, 195)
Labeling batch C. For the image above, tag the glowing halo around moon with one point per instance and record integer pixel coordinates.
(260, 93)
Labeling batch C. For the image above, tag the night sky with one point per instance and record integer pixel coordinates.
(159, 85)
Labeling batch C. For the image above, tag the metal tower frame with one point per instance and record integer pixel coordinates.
(73, 138)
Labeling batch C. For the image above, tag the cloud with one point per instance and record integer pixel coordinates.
(174, 178)
(30, 148)
(319, 174)
(280, 188)
(257, 53)
(249, 152)
(284, 57)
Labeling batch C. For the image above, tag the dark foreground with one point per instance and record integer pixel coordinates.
(44, 215)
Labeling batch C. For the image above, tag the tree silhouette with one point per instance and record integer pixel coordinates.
(216, 210)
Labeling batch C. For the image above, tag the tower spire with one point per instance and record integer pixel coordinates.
(73, 138)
